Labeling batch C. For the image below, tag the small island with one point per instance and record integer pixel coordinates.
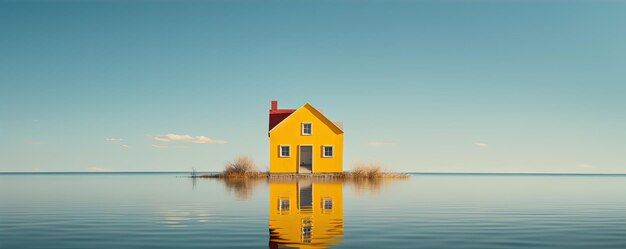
(243, 168)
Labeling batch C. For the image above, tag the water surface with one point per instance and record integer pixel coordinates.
(165, 210)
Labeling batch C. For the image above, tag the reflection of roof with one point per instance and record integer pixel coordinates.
(278, 115)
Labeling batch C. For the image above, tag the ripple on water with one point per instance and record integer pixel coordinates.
(422, 212)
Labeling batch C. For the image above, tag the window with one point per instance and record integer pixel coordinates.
(283, 204)
(285, 151)
(306, 129)
(328, 151)
(307, 230)
(327, 204)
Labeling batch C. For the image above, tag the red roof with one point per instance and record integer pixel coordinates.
(278, 115)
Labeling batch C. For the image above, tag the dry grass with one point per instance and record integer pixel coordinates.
(370, 177)
(370, 170)
(241, 177)
(242, 166)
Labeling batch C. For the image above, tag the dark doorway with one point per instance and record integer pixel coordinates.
(306, 159)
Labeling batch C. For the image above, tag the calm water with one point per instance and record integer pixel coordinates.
(425, 211)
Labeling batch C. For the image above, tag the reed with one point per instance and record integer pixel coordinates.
(372, 171)
(366, 170)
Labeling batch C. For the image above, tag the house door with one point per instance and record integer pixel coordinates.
(306, 159)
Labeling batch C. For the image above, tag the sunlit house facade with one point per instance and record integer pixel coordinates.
(303, 140)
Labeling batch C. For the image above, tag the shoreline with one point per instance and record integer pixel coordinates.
(267, 175)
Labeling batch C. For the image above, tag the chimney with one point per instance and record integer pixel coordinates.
(274, 105)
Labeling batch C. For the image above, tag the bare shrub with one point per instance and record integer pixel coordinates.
(241, 166)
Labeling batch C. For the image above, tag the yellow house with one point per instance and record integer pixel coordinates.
(305, 214)
(303, 140)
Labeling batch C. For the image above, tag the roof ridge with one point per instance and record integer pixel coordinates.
(278, 120)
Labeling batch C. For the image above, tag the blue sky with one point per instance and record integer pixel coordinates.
(423, 86)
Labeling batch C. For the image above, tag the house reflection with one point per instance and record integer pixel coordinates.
(305, 214)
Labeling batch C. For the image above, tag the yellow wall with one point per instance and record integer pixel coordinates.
(288, 132)
(286, 226)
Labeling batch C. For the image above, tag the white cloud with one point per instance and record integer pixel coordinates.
(97, 170)
(188, 139)
(114, 139)
(160, 146)
(585, 166)
(125, 145)
(482, 145)
(379, 143)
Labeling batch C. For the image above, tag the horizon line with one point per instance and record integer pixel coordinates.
(416, 173)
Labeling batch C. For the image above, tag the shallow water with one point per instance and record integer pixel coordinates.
(163, 210)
